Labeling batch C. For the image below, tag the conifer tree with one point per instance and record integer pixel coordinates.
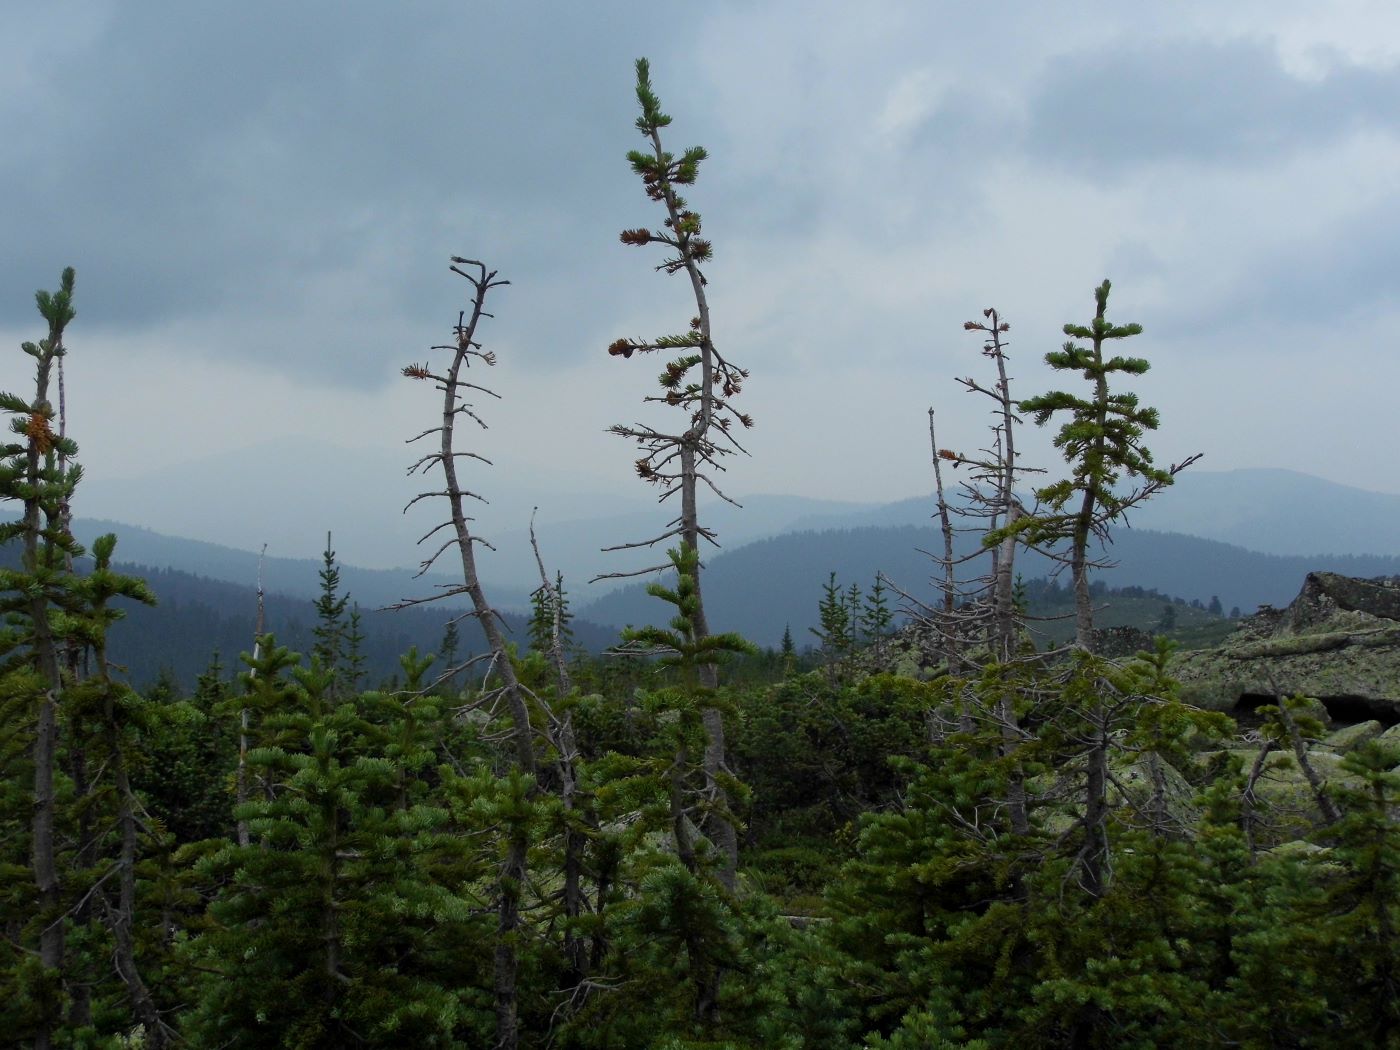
(330, 927)
(31, 474)
(701, 383)
(682, 647)
(788, 651)
(834, 632)
(549, 613)
(875, 619)
(355, 658)
(1361, 911)
(330, 627)
(62, 705)
(447, 652)
(1102, 441)
(116, 709)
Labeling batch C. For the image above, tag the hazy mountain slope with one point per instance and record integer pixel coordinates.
(288, 496)
(1277, 512)
(510, 568)
(759, 588)
(578, 546)
(295, 577)
(358, 495)
(1266, 510)
(197, 616)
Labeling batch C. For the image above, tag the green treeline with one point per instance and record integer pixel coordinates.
(884, 899)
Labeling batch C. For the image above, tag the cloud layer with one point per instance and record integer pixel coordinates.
(260, 199)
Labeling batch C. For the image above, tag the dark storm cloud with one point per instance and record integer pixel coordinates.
(1197, 102)
(218, 160)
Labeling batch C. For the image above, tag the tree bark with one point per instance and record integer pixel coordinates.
(1331, 813)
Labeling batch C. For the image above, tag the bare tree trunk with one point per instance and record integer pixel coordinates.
(1249, 800)
(1331, 813)
(1003, 589)
(718, 824)
(1094, 851)
(45, 656)
(124, 919)
(566, 747)
(949, 585)
(511, 691)
(1079, 568)
(241, 782)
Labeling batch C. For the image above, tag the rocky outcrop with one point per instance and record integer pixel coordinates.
(1122, 643)
(1339, 641)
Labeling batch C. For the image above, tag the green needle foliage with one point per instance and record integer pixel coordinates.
(682, 646)
(1102, 441)
(338, 913)
(330, 629)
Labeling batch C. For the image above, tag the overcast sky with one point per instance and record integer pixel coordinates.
(260, 200)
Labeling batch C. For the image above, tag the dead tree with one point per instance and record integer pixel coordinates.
(987, 616)
(509, 694)
(576, 811)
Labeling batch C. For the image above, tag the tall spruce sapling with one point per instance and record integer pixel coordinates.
(36, 474)
(834, 630)
(1102, 441)
(700, 382)
(876, 618)
(120, 714)
(330, 627)
(687, 651)
(60, 698)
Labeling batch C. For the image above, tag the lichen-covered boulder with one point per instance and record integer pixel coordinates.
(1339, 641)
(1351, 737)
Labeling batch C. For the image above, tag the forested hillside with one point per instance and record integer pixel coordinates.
(939, 828)
(760, 587)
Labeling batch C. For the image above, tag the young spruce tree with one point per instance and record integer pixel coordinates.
(701, 383)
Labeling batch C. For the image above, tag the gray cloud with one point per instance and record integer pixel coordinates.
(234, 160)
(1327, 282)
(260, 199)
(1195, 101)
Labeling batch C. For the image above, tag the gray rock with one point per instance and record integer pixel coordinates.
(1352, 737)
(1339, 641)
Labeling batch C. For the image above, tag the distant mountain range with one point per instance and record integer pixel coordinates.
(197, 616)
(1266, 510)
(293, 577)
(762, 587)
(1253, 535)
(358, 494)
